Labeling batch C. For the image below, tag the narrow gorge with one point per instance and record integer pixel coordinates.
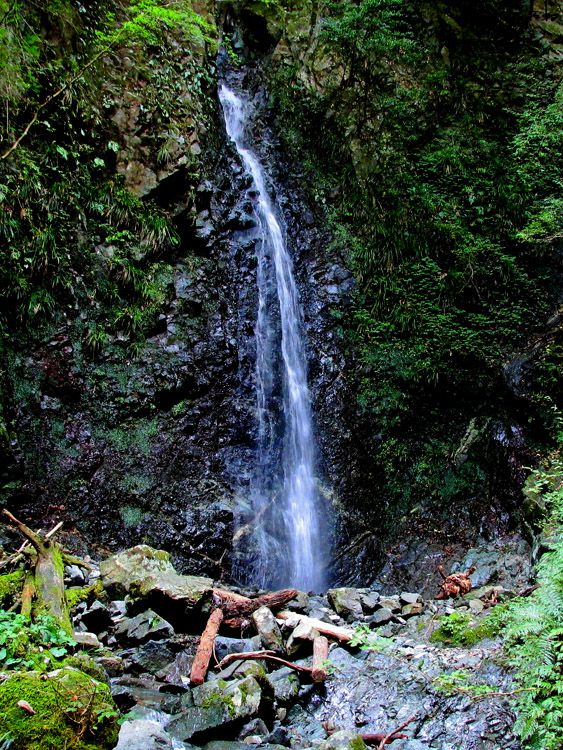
(280, 380)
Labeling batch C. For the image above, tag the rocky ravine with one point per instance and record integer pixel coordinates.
(144, 630)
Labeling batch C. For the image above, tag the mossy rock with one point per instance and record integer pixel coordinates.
(72, 711)
(77, 594)
(11, 585)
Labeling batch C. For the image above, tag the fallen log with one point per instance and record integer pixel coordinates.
(332, 631)
(267, 655)
(235, 605)
(205, 647)
(379, 737)
(320, 657)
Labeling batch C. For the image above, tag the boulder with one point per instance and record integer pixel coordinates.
(347, 603)
(216, 705)
(146, 573)
(142, 734)
(87, 640)
(304, 631)
(381, 617)
(268, 629)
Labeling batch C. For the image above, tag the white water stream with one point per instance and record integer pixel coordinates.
(284, 494)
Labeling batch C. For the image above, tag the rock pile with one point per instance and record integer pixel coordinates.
(382, 669)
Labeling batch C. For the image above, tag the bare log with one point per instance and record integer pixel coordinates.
(378, 737)
(267, 655)
(205, 648)
(332, 631)
(320, 656)
(235, 605)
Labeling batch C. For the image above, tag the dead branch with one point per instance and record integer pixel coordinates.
(393, 735)
(205, 647)
(267, 655)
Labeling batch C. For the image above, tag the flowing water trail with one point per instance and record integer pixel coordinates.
(286, 507)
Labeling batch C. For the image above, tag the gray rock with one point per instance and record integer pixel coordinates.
(145, 626)
(141, 734)
(369, 601)
(216, 705)
(75, 575)
(268, 629)
(87, 640)
(381, 617)
(151, 657)
(304, 631)
(346, 602)
(225, 646)
(343, 740)
(254, 727)
(408, 610)
(408, 598)
(284, 683)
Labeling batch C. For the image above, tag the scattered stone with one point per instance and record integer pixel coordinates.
(113, 665)
(369, 601)
(151, 657)
(299, 603)
(75, 575)
(268, 629)
(381, 617)
(304, 631)
(87, 640)
(284, 683)
(408, 610)
(255, 727)
(346, 602)
(145, 626)
(142, 734)
(407, 598)
(225, 646)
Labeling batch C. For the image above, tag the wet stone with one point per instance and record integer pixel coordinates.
(141, 734)
(343, 740)
(145, 626)
(346, 602)
(381, 617)
(268, 629)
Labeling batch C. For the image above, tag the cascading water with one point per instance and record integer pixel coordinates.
(285, 503)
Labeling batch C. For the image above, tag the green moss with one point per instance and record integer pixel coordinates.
(10, 587)
(459, 629)
(86, 664)
(72, 711)
(78, 594)
(357, 744)
(131, 516)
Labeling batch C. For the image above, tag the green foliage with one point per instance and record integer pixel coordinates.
(366, 640)
(429, 159)
(462, 681)
(533, 631)
(31, 645)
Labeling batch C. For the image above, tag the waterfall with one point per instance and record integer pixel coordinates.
(285, 505)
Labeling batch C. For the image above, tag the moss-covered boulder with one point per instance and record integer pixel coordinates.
(70, 710)
(146, 573)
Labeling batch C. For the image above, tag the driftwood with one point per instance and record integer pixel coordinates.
(205, 647)
(235, 605)
(267, 655)
(387, 739)
(320, 656)
(44, 589)
(456, 584)
(332, 631)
